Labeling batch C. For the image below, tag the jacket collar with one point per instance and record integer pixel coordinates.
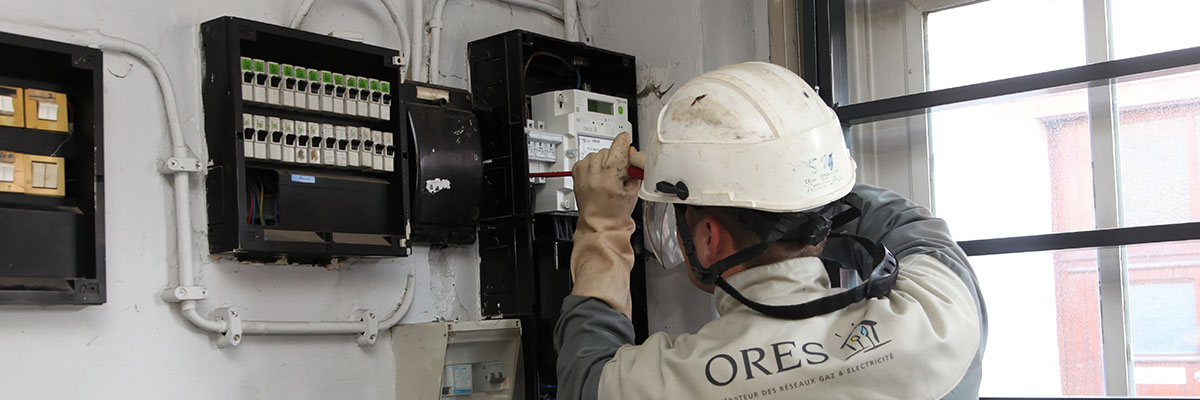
(787, 282)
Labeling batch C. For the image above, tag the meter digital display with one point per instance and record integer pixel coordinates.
(600, 107)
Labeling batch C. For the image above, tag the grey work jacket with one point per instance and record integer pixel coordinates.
(925, 340)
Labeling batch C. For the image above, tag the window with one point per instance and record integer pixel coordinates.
(1141, 27)
(1164, 318)
(1059, 140)
(977, 43)
(1032, 336)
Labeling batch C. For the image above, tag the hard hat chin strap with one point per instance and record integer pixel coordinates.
(878, 277)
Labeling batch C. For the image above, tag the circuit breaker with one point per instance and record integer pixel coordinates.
(567, 126)
(295, 123)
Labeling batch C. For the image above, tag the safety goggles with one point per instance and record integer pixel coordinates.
(662, 233)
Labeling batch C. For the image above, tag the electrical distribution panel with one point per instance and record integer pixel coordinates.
(308, 162)
(525, 233)
(51, 173)
(457, 360)
(447, 168)
(567, 126)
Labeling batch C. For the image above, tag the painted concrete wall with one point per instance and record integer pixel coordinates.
(673, 41)
(136, 346)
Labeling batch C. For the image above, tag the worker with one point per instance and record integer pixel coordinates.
(750, 187)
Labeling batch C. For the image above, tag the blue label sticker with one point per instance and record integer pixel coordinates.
(304, 178)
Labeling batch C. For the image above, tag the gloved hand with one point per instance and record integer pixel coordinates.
(606, 195)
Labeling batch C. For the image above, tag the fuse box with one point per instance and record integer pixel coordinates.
(457, 360)
(567, 126)
(287, 176)
(525, 242)
(51, 173)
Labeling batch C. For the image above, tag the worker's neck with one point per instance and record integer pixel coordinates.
(745, 266)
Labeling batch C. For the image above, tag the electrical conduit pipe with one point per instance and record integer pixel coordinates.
(536, 5)
(435, 41)
(405, 43)
(571, 20)
(417, 18)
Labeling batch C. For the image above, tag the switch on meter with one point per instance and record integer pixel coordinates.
(586, 122)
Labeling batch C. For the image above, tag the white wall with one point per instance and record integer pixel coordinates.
(136, 346)
(673, 41)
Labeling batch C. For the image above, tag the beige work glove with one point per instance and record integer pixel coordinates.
(603, 256)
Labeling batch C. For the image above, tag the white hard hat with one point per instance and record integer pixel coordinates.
(751, 135)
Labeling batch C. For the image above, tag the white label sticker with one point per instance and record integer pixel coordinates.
(304, 178)
(461, 376)
(589, 145)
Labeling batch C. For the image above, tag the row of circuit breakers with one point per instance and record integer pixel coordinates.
(324, 120)
(317, 90)
(301, 142)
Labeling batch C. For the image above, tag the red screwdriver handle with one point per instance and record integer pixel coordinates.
(634, 172)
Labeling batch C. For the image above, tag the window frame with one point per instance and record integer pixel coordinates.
(826, 64)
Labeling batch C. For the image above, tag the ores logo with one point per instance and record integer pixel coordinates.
(769, 359)
(862, 337)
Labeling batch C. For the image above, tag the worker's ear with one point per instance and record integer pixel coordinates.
(710, 236)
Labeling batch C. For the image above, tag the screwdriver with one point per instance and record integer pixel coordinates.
(637, 163)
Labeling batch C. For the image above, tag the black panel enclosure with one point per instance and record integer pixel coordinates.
(52, 248)
(303, 213)
(525, 257)
(446, 164)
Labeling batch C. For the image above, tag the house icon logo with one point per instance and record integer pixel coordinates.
(862, 337)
